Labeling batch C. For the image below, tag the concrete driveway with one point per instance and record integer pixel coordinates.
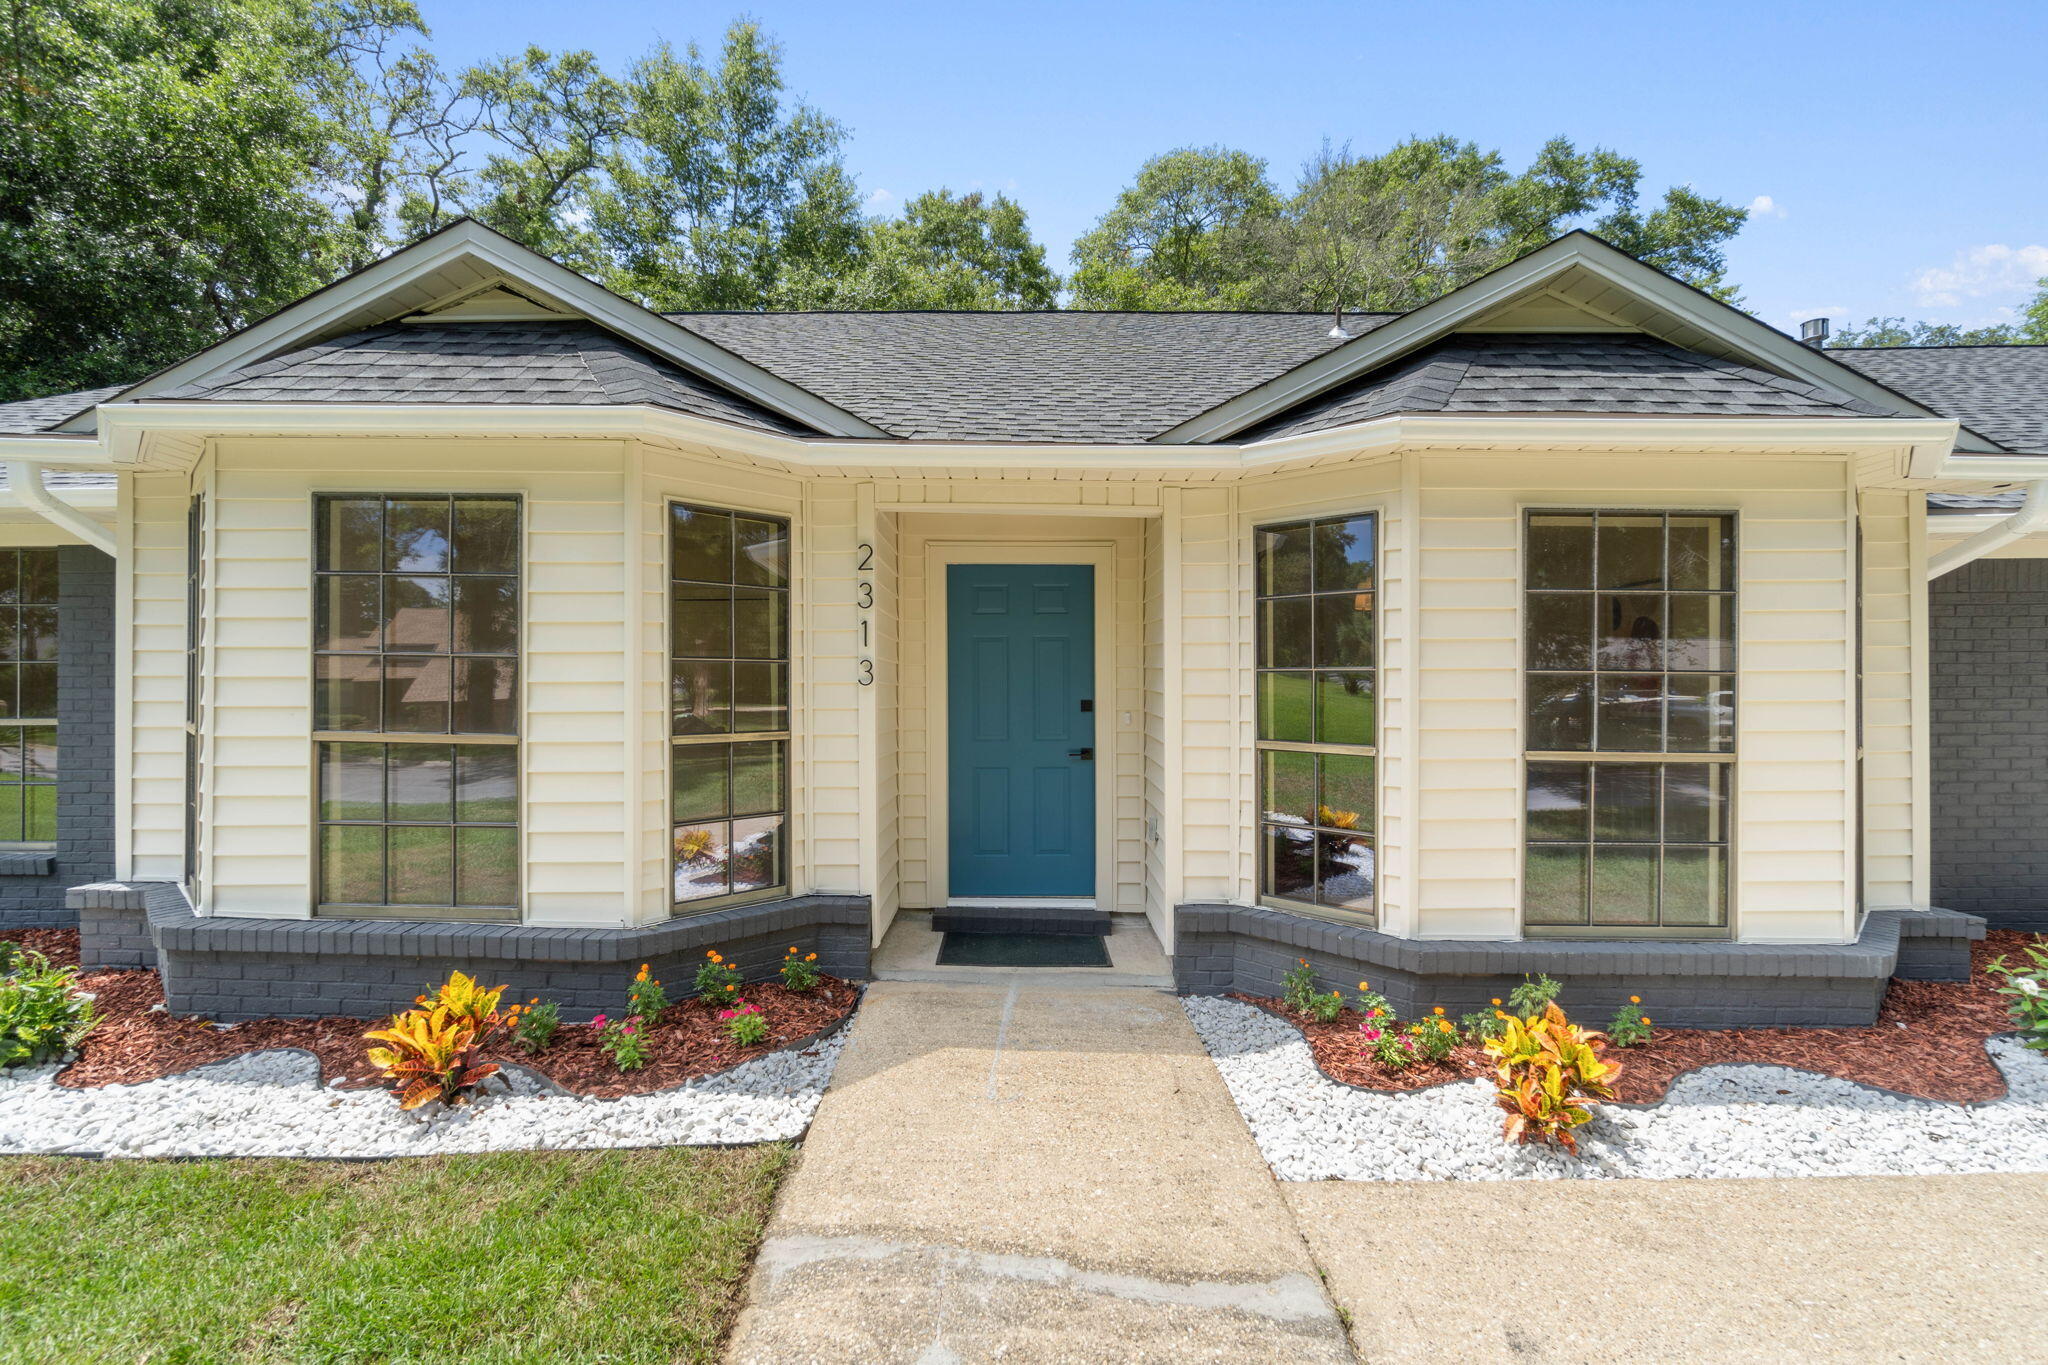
(1914, 1268)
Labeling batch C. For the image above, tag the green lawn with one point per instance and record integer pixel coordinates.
(609, 1256)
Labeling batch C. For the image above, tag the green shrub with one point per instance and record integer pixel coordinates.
(1532, 997)
(624, 1039)
(1324, 1009)
(1298, 987)
(646, 998)
(536, 1027)
(800, 973)
(2027, 988)
(1631, 1026)
(718, 981)
(745, 1024)
(40, 1017)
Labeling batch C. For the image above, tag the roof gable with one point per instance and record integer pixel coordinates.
(1587, 277)
(560, 361)
(460, 262)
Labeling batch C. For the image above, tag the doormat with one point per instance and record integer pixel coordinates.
(1023, 950)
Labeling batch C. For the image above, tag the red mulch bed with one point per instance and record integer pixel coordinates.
(135, 1042)
(1928, 1041)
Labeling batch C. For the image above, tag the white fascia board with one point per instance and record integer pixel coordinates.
(1991, 468)
(557, 283)
(1730, 326)
(84, 451)
(128, 423)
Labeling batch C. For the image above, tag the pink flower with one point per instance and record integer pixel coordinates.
(630, 1029)
(598, 1022)
(727, 1014)
(1372, 1035)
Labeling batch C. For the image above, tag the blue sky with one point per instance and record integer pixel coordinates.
(1896, 153)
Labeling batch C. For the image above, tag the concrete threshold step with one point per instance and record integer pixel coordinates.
(1058, 978)
(1019, 919)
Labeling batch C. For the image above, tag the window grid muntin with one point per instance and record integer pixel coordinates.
(456, 741)
(767, 581)
(461, 664)
(1317, 833)
(30, 621)
(1594, 758)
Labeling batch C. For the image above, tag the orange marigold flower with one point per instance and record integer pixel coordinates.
(1635, 1000)
(810, 957)
(1438, 1010)
(1496, 1000)
(1365, 985)
(1646, 1018)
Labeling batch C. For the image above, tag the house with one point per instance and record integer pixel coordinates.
(463, 613)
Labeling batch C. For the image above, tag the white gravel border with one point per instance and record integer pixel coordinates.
(1734, 1121)
(271, 1103)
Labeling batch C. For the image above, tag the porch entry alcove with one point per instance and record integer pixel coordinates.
(1021, 730)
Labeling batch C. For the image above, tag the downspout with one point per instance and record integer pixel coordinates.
(25, 481)
(2031, 517)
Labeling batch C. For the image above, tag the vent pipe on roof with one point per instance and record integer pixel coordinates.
(1814, 332)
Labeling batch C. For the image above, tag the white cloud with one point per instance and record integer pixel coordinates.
(1838, 313)
(1763, 206)
(1981, 272)
(880, 199)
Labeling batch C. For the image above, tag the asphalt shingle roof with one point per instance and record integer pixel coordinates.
(40, 414)
(1566, 372)
(1065, 376)
(482, 362)
(1996, 391)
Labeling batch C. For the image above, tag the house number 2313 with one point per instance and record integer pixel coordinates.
(864, 598)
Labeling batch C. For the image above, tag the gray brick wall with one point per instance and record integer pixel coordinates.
(32, 888)
(1988, 632)
(1685, 985)
(234, 969)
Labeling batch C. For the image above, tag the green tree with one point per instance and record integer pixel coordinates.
(164, 176)
(1388, 232)
(945, 251)
(554, 122)
(2030, 330)
(1189, 233)
(720, 185)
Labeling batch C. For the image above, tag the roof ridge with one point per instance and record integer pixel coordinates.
(1959, 346)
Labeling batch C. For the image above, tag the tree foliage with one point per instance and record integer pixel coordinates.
(162, 173)
(2031, 329)
(171, 170)
(1206, 228)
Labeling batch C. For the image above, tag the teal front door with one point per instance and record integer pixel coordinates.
(1020, 663)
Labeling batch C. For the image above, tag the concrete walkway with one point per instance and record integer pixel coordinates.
(1031, 1173)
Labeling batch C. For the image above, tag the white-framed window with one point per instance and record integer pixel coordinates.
(1316, 706)
(416, 704)
(729, 687)
(28, 697)
(1629, 725)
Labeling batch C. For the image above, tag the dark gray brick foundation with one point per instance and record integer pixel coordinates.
(233, 969)
(1223, 948)
(1988, 637)
(32, 885)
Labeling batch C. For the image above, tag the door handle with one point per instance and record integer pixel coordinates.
(1080, 753)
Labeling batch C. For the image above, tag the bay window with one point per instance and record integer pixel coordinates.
(729, 687)
(416, 715)
(1629, 659)
(1316, 656)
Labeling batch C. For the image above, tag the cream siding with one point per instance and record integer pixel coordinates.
(1179, 812)
(1119, 744)
(1895, 871)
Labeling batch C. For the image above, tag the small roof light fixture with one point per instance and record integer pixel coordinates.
(1814, 332)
